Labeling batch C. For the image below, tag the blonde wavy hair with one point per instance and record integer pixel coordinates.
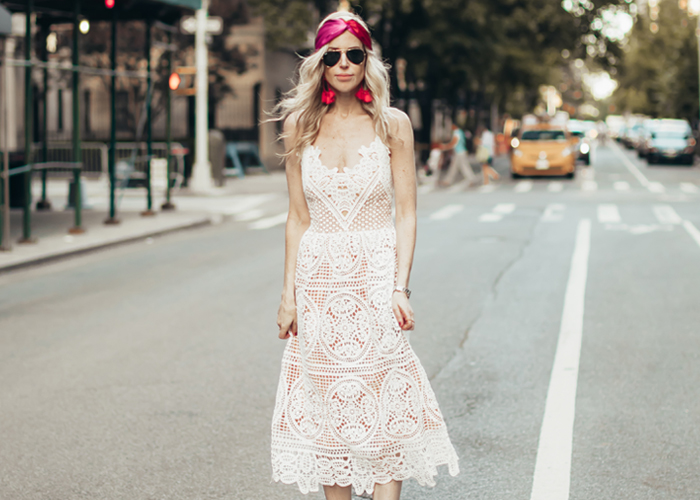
(304, 100)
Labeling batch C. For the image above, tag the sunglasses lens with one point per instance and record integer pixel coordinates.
(330, 59)
(356, 56)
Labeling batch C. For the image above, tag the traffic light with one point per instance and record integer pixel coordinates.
(174, 81)
(109, 4)
(176, 78)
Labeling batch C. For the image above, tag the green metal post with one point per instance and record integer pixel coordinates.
(149, 122)
(5, 244)
(77, 151)
(168, 205)
(43, 203)
(28, 115)
(112, 219)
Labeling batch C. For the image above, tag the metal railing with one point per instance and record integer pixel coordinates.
(95, 157)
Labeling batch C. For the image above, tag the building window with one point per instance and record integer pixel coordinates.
(59, 125)
(87, 111)
(122, 110)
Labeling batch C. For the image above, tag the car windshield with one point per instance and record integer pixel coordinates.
(669, 134)
(544, 135)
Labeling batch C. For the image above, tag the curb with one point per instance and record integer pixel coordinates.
(61, 255)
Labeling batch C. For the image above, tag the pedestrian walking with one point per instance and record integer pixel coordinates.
(460, 160)
(485, 153)
(354, 407)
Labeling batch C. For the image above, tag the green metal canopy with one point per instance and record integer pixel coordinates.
(188, 4)
(167, 11)
(5, 21)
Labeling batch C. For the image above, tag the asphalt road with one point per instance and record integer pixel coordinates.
(149, 371)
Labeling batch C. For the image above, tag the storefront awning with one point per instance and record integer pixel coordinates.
(5, 21)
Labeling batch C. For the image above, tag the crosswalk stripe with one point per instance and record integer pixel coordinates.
(425, 188)
(490, 217)
(608, 214)
(666, 214)
(553, 212)
(488, 188)
(249, 215)
(555, 186)
(269, 222)
(656, 187)
(621, 186)
(589, 186)
(504, 208)
(446, 212)
(689, 187)
(523, 186)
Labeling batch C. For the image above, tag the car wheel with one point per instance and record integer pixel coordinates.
(570, 175)
(587, 161)
(513, 175)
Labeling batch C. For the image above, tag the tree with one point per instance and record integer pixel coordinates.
(658, 74)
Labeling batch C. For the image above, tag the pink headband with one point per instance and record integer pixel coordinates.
(336, 27)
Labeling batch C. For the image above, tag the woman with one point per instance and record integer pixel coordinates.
(354, 406)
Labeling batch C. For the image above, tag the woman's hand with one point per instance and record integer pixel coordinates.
(403, 311)
(287, 319)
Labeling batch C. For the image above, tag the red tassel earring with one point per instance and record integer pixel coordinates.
(363, 94)
(327, 95)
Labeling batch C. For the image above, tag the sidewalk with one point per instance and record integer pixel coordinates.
(50, 228)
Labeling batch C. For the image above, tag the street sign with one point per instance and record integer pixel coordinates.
(215, 25)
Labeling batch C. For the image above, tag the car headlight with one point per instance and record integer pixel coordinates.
(566, 152)
(517, 152)
(585, 148)
(515, 142)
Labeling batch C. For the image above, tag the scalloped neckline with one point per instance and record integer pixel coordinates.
(360, 151)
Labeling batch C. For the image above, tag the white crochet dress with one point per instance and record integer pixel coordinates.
(354, 405)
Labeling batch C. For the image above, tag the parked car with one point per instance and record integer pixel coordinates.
(543, 150)
(645, 136)
(671, 141)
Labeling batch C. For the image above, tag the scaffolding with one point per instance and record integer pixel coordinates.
(158, 14)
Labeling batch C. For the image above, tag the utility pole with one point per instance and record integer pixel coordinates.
(201, 173)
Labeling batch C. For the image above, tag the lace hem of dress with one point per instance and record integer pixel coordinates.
(310, 470)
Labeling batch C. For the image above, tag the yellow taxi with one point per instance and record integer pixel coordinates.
(543, 150)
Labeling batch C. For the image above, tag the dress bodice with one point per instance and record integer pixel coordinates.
(358, 199)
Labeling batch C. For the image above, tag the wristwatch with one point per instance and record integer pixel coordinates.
(403, 290)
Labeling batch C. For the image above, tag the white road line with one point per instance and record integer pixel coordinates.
(621, 186)
(689, 187)
(446, 212)
(589, 186)
(523, 186)
(256, 213)
(552, 477)
(666, 214)
(555, 186)
(488, 188)
(425, 188)
(656, 187)
(490, 217)
(269, 222)
(608, 214)
(504, 208)
(456, 188)
(553, 212)
(692, 231)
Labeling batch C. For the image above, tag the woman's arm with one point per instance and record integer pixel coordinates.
(298, 221)
(404, 172)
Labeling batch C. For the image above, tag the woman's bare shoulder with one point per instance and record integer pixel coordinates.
(290, 124)
(400, 124)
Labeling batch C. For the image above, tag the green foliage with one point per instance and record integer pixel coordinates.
(658, 75)
(497, 50)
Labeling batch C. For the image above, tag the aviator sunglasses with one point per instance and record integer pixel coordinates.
(332, 57)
